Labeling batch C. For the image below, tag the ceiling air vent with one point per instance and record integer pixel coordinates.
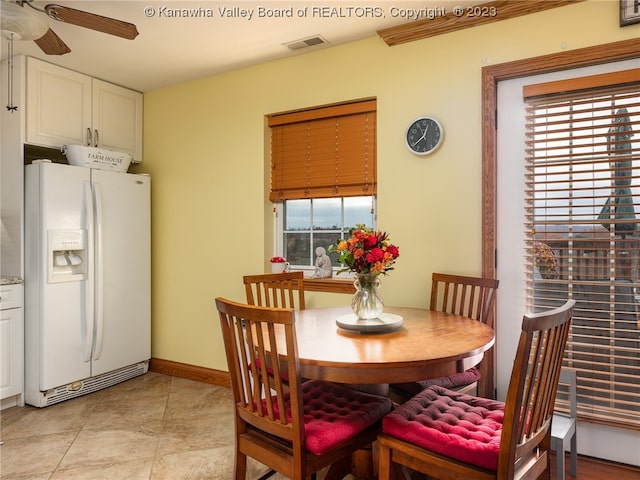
(306, 42)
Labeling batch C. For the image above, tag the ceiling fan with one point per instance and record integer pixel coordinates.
(21, 23)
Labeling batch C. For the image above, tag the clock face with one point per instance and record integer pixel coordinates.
(424, 135)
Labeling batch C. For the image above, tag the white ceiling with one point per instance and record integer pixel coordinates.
(172, 48)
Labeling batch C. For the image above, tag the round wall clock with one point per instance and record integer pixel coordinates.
(424, 135)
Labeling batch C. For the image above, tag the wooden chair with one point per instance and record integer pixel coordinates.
(451, 435)
(295, 429)
(471, 297)
(276, 290)
(563, 427)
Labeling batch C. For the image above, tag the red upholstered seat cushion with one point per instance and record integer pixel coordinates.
(460, 379)
(334, 413)
(450, 423)
(283, 375)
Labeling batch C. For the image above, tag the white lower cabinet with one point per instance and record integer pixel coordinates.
(11, 345)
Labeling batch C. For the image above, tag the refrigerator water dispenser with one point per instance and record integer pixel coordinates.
(67, 259)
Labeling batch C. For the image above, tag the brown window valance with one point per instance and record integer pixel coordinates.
(324, 152)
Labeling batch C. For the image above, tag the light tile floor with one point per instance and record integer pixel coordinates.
(153, 427)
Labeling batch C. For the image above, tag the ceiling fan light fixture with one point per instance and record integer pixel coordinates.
(23, 24)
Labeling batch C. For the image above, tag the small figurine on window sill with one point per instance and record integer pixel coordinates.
(323, 264)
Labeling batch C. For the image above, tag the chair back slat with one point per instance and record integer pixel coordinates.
(533, 386)
(471, 297)
(249, 333)
(276, 290)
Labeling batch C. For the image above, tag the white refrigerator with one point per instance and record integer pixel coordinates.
(87, 280)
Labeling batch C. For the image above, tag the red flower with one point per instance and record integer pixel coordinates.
(369, 241)
(393, 251)
(375, 255)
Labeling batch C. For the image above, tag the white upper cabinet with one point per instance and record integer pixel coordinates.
(58, 105)
(117, 118)
(66, 107)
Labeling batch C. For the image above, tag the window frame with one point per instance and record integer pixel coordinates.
(278, 240)
(328, 285)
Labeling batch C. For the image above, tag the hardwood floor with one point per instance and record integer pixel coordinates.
(594, 469)
(588, 469)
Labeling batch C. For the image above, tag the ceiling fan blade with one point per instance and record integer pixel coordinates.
(52, 44)
(92, 21)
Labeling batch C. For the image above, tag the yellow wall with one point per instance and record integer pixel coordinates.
(205, 149)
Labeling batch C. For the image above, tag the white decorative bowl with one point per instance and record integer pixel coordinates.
(100, 158)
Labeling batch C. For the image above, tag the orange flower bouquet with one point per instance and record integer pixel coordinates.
(366, 251)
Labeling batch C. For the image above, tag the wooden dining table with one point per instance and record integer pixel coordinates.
(428, 344)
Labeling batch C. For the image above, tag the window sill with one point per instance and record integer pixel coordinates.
(331, 285)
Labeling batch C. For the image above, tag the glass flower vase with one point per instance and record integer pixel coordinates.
(367, 302)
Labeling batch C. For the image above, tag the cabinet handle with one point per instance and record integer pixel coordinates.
(96, 137)
(89, 137)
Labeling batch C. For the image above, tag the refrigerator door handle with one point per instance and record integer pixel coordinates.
(99, 273)
(90, 285)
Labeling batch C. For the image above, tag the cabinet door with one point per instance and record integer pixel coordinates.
(11, 352)
(117, 118)
(58, 105)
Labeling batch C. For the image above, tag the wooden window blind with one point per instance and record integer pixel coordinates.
(582, 186)
(325, 152)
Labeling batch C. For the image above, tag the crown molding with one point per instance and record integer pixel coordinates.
(489, 12)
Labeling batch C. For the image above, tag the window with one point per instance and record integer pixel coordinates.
(310, 223)
(583, 218)
(323, 176)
